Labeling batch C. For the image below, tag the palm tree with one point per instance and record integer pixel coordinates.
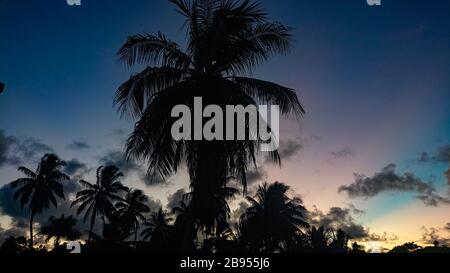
(158, 229)
(131, 211)
(40, 189)
(60, 228)
(339, 243)
(319, 238)
(272, 219)
(226, 40)
(98, 199)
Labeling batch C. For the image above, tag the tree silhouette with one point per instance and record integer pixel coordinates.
(226, 39)
(40, 189)
(273, 218)
(339, 242)
(60, 228)
(319, 238)
(158, 229)
(131, 211)
(98, 199)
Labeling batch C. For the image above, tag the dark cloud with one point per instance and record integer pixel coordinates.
(78, 145)
(174, 200)
(442, 155)
(346, 152)
(238, 212)
(342, 218)
(153, 204)
(288, 149)
(11, 232)
(74, 166)
(431, 235)
(387, 180)
(117, 159)
(355, 210)
(11, 207)
(339, 218)
(256, 175)
(447, 227)
(447, 174)
(20, 150)
(382, 238)
(5, 143)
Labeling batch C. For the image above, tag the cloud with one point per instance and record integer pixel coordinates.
(11, 207)
(78, 145)
(288, 149)
(174, 200)
(431, 235)
(441, 155)
(117, 159)
(20, 150)
(447, 174)
(5, 143)
(256, 175)
(238, 212)
(338, 218)
(74, 166)
(344, 153)
(447, 226)
(11, 232)
(387, 180)
(342, 218)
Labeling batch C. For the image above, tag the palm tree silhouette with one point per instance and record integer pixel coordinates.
(319, 238)
(158, 229)
(40, 189)
(131, 211)
(272, 219)
(226, 39)
(60, 228)
(98, 199)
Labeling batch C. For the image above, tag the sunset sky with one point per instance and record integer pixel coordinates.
(369, 156)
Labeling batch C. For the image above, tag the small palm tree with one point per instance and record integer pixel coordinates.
(131, 211)
(158, 228)
(60, 228)
(40, 189)
(272, 219)
(99, 198)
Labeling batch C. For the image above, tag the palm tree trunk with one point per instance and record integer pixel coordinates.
(187, 240)
(94, 212)
(135, 237)
(31, 230)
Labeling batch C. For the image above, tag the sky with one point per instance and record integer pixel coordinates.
(369, 155)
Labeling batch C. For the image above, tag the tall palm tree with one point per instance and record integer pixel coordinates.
(158, 228)
(60, 228)
(272, 219)
(131, 211)
(40, 189)
(226, 41)
(99, 198)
